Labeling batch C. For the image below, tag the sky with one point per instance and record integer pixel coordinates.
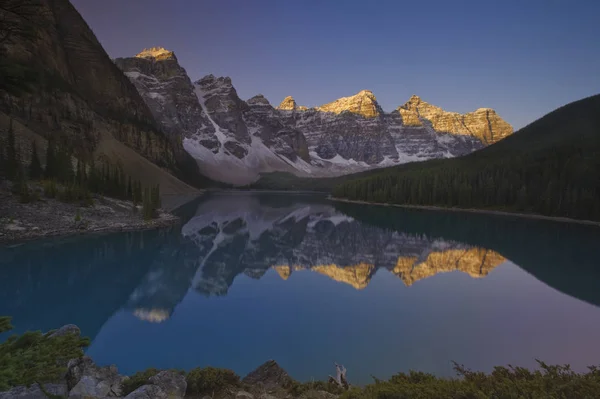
(523, 58)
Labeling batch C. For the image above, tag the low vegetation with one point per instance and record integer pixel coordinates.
(34, 357)
(503, 382)
(550, 167)
(210, 381)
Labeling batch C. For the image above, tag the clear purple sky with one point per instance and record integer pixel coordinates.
(521, 57)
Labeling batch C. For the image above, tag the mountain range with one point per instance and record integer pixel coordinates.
(251, 137)
(145, 113)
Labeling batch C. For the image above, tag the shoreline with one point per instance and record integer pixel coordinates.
(46, 218)
(169, 221)
(559, 219)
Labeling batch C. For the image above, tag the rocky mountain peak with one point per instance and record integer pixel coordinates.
(211, 82)
(288, 104)
(258, 99)
(483, 123)
(414, 99)
(157, 53)
(363, 103)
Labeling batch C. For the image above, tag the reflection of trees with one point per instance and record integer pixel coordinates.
(562, 255)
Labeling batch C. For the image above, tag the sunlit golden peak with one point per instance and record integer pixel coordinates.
(157, 53)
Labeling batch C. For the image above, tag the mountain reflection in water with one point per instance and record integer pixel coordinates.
(238, 234)
(94, 281)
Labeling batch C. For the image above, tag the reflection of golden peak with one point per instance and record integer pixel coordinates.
(284, 271)
(152, 315)
(357, 276)
(477, 262)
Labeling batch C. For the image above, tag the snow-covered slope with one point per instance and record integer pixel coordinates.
(234, 140)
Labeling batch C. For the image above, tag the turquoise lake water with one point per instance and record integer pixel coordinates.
(249, 277)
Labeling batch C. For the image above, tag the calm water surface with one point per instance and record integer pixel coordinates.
(293, 277)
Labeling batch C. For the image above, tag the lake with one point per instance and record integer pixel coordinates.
(297, 278)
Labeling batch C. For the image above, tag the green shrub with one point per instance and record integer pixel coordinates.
(210, 380)
(5, 323)
(503, 382)
(35, 357)
(78, 216)
(298, 388)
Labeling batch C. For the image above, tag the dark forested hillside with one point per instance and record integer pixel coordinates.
(550, 167)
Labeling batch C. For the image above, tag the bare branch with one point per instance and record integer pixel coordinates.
(340, 378)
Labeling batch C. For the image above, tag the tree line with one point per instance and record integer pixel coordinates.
(61, 180)
(561, 185)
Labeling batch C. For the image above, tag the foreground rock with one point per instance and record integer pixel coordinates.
(165, 384)
(49, 217)
(270, 376)
(84, 379)
(36, 391)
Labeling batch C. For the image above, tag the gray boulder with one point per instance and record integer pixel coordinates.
(85, 379)
(244, 395)
(165, 384)
(65, 330)
(149, 392)
(173, 384)
(35, 392)
(270, 375)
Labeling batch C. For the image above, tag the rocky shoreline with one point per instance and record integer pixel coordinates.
(82, 378)
(48, 217)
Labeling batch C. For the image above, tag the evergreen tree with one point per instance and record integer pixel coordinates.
(93, 177)
(129, 189)
(50, 171)
(2, 162)
(64, 166)
(12, 154)
(20, 186)
(147, 210)
(5, 324)
(156, 197)
(35, 168)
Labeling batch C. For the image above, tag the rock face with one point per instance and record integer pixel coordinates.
(85, 379)
(168, 91)
(234, 140)
(78, 95)
(66, 330)
(164, 385)
(483, 123)
(270, 375)
(364, 103)
(289, 104)
(35, 391)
